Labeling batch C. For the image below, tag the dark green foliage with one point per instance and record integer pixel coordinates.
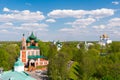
(78, 72)
(91, 65)
(57, 69)
(8, 54)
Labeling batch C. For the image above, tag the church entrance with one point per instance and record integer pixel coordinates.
(32, 65)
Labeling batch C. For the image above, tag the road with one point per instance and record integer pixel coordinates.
(37, 75)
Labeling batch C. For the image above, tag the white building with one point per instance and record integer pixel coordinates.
(104, 39)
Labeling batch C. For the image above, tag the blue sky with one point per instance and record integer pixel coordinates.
(59, 19)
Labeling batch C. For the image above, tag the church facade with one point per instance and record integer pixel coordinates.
(30, 52)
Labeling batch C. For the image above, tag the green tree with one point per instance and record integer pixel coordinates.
(4, 60)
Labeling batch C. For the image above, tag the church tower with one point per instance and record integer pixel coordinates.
(23, 42)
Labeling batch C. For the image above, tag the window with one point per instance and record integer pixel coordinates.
(28, 52)
(37, 52)
(32, 52)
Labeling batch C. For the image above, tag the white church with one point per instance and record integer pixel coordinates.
(104, 40)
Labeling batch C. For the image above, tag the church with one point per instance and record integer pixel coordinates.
(30, 52)
(104, 40)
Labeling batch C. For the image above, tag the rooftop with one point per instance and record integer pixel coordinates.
(14, 75)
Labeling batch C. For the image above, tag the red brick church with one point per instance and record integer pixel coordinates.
(30, 53)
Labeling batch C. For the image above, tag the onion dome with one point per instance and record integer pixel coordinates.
(28, 40)
(36, 40)
(32, 37)
(105, 36)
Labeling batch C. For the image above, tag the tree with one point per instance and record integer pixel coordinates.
(57, 69)
(4, 60)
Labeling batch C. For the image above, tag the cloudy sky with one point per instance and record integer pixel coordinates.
(59, 19)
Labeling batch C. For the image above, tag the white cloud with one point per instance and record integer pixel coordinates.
(78, 26)
(115, 2)
(9, 24)
(4, 31)
(67, 13)
(21, 16)
(6, 25)
(99, 27)
(67, 29)
(73, 31)
(98, 13)
(50, 20)
(115, 22)
(82, 23)
(101, 13)
(6, 9)
(116, 32)
(32, 27)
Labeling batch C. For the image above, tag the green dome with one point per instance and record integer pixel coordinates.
(32, 37)
(28, 40)
(18, 63)
(36, 40)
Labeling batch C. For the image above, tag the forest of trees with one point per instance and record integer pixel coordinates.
(71, 63)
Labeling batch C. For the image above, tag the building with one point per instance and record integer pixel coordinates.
(104, 39)
(17, 73)
(30, 52)
(58, 45)
(88, 44)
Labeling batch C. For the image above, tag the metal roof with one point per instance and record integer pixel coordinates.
(14, 75)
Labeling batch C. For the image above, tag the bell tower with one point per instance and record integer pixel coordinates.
(23, 43)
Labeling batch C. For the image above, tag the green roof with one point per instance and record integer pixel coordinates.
(14, 75)
(58, 42)
(18, 63)
(32, 37)
(36, 40)
(28, 40)
(35, 57)
(32, 47)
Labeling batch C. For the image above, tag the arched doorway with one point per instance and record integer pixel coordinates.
(32, 63)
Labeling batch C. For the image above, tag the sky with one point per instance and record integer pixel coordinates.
(64, 20)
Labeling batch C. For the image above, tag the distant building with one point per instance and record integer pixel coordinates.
(78, 46)
(17, 73)
(30, 53)
(104, 39)
(87, 45)
(58, 44)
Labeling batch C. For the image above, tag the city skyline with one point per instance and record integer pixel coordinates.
(59, 19)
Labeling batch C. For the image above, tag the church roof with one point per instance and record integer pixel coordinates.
(35, 57)
(14, 75)
(28, 40)
(36, 40)
(32, 37)
(32, 47)
(18, 63)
